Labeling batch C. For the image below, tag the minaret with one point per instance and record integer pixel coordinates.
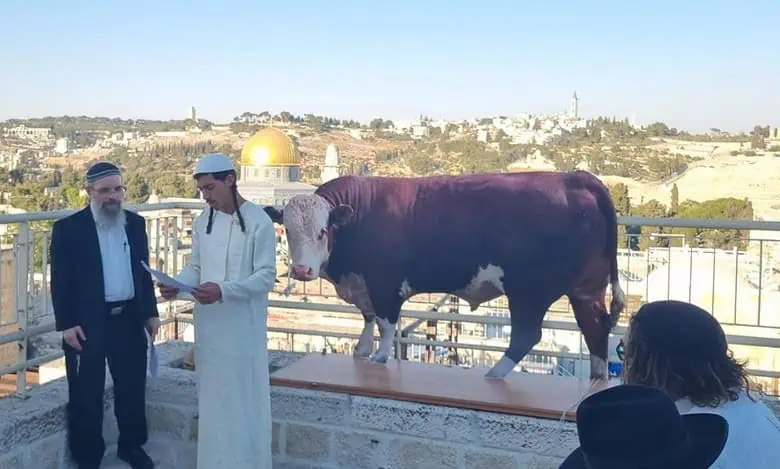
(331, 168)
(573, 106)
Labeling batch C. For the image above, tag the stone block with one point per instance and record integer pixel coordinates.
(285, 464)
(408, 453)
(188, 456)
(171, 419)
(302, 405)
(476, 459)
(460, 426)
(174, 386)
(194, 428)
(7, 431)
(13, 460)
(276, 435)
(35, 426)
(535, 461)
(406, 418)
(46, 453)
(172, 352)
(358, 449)
(516, 433)
(307, 442)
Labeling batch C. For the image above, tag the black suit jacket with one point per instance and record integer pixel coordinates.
(77, 289)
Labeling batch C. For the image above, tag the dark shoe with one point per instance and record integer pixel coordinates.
(136, 457)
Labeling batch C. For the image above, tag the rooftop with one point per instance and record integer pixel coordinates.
(430, 408)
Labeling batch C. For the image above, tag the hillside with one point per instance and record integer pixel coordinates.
(648, 161)
(721, 175)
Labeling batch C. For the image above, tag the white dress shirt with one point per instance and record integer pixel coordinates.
(754, 433)
(117, 270)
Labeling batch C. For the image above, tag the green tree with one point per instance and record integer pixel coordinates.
(725, 208)
(674, 207)
(73, 197)
(620, 198)
(652, 209)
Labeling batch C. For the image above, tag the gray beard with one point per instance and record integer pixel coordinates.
(108, 217)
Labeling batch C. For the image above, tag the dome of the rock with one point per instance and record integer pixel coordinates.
(270, 147)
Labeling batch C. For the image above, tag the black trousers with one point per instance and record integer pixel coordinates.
(121, 342)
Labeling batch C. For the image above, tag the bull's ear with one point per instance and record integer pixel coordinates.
(340, 216)
(274, 213)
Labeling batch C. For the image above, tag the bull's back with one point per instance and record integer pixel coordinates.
(506, 208)
(431, 225)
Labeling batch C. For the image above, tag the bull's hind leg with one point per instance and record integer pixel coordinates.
(594, 322)
(526, 320)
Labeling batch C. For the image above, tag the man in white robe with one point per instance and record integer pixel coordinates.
(233, 264)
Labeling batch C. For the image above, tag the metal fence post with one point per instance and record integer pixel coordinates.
(22, 260)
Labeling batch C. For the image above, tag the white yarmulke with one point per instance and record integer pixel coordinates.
(214, 163)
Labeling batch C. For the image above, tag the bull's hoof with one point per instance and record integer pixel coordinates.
(492, 374)
(378, 359)
(598, 382)
(501, 369)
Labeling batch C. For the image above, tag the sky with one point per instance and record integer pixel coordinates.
(692, 64)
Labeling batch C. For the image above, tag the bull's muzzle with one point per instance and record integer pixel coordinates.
(302, 272)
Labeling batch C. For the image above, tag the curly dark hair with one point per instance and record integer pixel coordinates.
(681, 349)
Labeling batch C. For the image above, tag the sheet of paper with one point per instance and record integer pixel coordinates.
(167, 280)
(153, 363)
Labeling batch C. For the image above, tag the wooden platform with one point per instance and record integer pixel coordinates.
(525, 394)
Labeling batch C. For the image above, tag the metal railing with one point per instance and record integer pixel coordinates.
(671, 265)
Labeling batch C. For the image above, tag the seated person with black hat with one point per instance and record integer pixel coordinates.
(638, 427)
(682, 350)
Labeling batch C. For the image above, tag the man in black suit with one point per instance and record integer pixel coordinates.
(103, 300)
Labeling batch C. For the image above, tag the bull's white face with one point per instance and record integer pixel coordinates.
(307, 219)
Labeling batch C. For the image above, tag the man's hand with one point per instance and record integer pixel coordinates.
(152, 325)
(207, 293)
(73, 336)
(167, 292)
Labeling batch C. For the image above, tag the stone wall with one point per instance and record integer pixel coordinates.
(311, 429)
(316, 429)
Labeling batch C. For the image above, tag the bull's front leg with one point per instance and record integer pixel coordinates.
(526, 332)
(387, 338)
(386, 304)
(365, 343)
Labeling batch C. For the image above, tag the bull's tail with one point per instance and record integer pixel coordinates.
(607, 208)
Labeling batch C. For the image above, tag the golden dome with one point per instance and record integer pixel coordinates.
(270, 147)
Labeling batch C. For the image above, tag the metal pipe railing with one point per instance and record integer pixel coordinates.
(165, 245)
(419, 315)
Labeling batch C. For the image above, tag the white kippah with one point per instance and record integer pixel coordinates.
(214, 163)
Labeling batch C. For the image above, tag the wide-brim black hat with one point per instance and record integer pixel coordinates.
(708, 434)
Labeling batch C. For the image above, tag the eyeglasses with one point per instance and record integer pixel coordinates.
(621, 350)
(110, 190)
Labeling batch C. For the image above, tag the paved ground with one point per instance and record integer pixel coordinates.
(164, 451)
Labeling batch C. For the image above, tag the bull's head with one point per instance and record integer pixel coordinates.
(309, 222)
